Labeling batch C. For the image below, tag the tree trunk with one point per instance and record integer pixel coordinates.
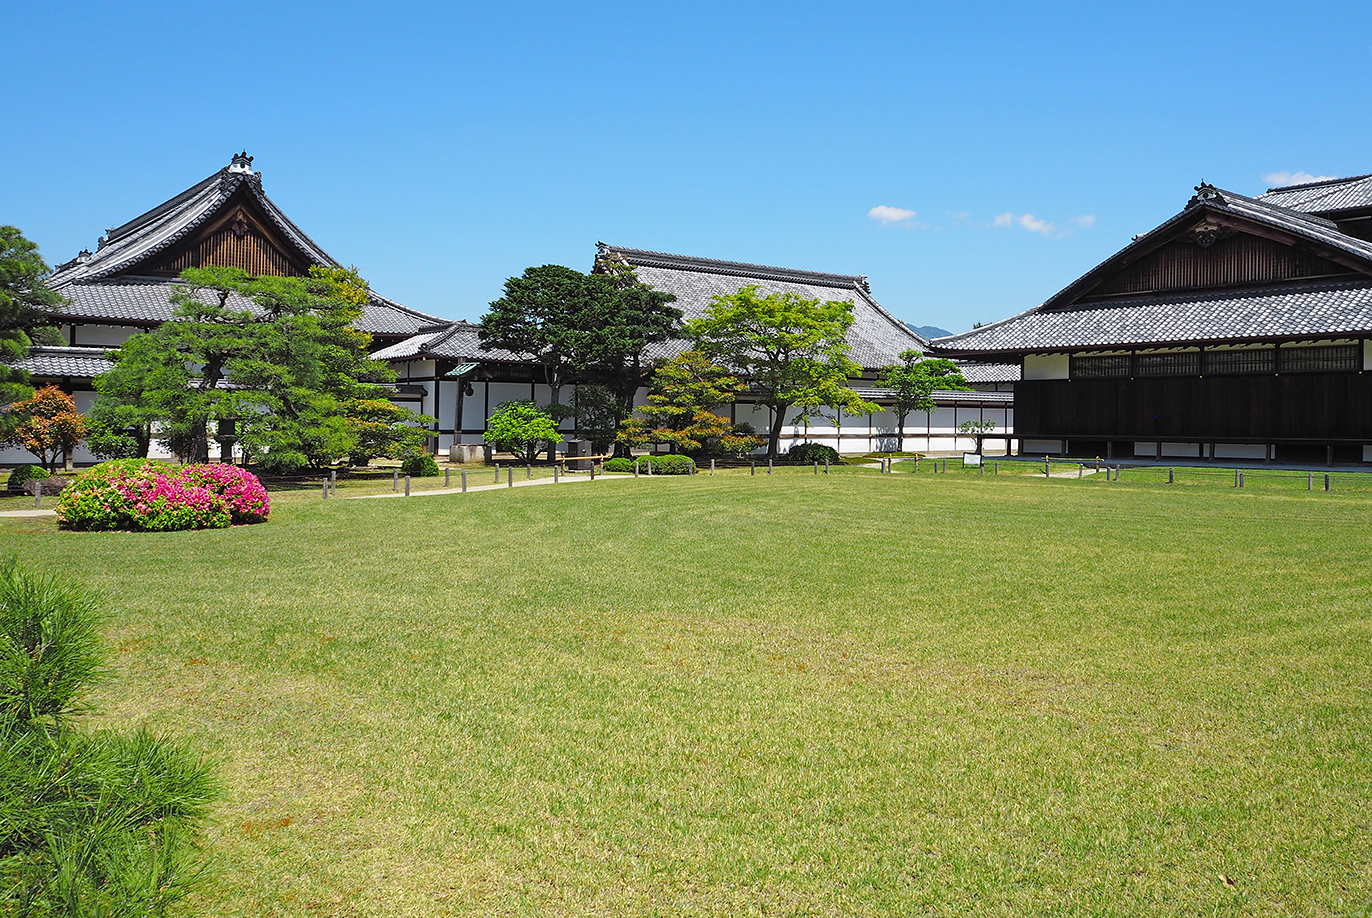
(774, 439)
(900, 432)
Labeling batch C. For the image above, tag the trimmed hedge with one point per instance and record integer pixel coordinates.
(140, 495)
(421, 465)
(810, 453)
(618, 464)
(22, 475)
(665, 465)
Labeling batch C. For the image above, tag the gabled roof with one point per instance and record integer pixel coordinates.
(1328, 196)
(1070, 319)
(103, 288)
(876, 338)
(125, 247)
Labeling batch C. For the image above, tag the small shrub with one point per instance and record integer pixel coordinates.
(618, 464)
(22, 475)
(140, 495)
(420, 465)
(810, 453)
(666, 465)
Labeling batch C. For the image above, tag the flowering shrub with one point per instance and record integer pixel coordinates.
(247, 499)
(144, 496)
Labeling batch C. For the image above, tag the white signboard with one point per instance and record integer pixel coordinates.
(971, 459)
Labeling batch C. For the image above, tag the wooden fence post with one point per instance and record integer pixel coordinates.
(826, 465)
(497, 473)
(528, 471)
(464, 481)
(769, 466)
(509, 477)
(1326, 481)
(333, 482)
(712, 467)
(395, 479)
(554, 473)
(635, 468)
(1309, 481)
(1171, 476)
(326, 488)
(447, 478)
(816, 466)
(752, 467)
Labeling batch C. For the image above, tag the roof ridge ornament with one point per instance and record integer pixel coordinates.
(242, 162)
(1206, 194)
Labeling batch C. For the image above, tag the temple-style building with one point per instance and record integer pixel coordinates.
(125, 286)
(1237, 329)
(462, 384)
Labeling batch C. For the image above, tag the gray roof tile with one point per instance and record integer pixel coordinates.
(53, 362)
(147, 301)
(1323, 197)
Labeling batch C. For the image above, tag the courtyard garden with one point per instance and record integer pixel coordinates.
(958, 693)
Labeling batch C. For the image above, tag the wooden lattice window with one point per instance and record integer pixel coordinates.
(1234, 363)
(1097, 367)
(1320, 358)
(1185, 364)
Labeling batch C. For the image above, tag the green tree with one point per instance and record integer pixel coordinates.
(630, 317)
(383, 428)
(790, 351)
(978, 429)
(593, 329)
(280, 355)
(24, 302)
(683, 392)
(521, 428)
(90, 823)
(913, 382)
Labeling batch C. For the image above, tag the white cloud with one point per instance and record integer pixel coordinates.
(1034, 224)
(890, 214)
(1277, 179)
(1004, 219)
(1084, 220)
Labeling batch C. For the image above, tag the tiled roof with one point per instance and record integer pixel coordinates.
(1323, 197)
(875, 338)
(44, 361)
(1326, 309)
(943, 396)
(168, 223)
(147, 301)
(455, 341)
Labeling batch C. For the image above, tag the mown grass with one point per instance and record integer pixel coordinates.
(854, 694)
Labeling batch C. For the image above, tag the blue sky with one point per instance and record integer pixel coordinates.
(443, 147)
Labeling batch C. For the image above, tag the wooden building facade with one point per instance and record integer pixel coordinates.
(1238, 329)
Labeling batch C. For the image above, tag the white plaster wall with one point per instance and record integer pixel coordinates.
(1041, 446)
(1185, 450)
(103, 335)
(1046, 366)
(1240, 451)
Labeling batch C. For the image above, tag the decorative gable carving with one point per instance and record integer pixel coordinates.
(240, 238)
(1212, 255)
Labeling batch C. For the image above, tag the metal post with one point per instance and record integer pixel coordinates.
(528, 471)
(1047, 468)
(1081, 469)
(1326, 481)
(1240, 479)
(1309, 481)
(326, 489)
(712, 467)
(1117, 473)
(509, 476)
(1236, 478)
(752, 467)
(407, 485)
(945, 466)
(447, 478)
(38, 495)
(769, 466)
(826, 465)
(916, 465)
(816, 466)
(395, 479)
(1171, 476)
(333, 482)
(650, 466)
(497, 473)
(650, 470)
(464, 481)
(996, 469)
(635, 468)
(554, 473)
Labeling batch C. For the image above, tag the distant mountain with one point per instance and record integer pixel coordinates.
(928, 331)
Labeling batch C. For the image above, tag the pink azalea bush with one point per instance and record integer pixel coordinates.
(140, 495)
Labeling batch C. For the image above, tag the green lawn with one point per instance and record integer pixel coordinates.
(854, 694)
